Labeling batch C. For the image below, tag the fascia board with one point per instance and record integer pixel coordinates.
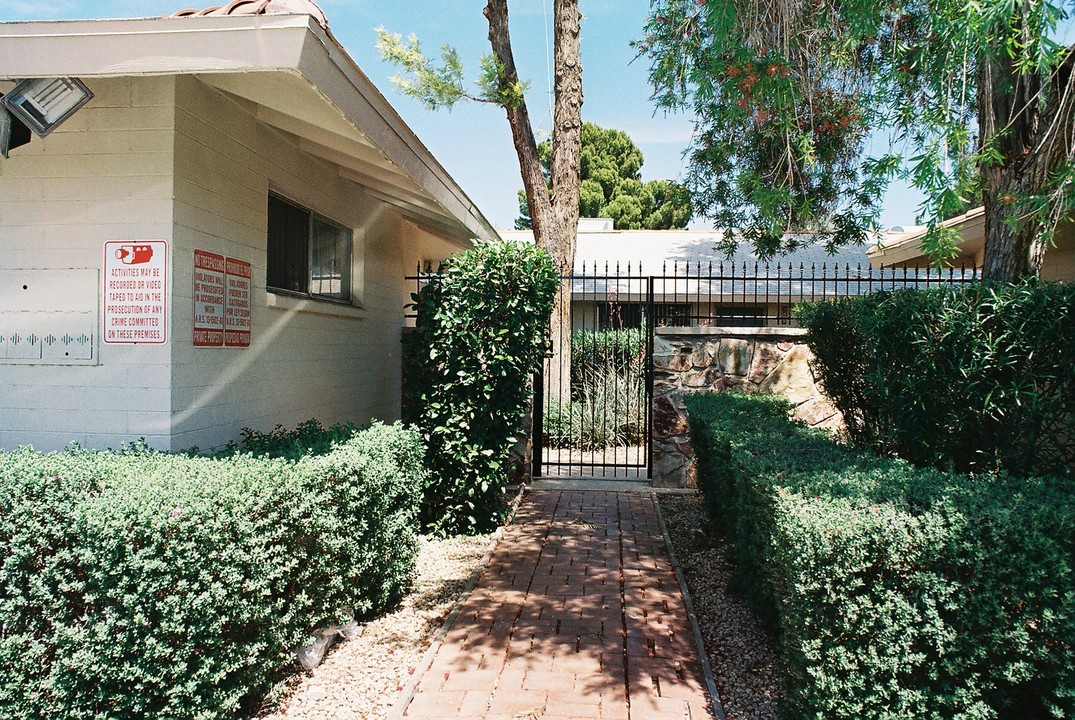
(345, 85)
(970, 226)
(156, 46)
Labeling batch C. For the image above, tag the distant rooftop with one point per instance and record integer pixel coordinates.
(657, 251)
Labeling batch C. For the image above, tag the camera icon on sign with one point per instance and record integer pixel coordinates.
(134, 254)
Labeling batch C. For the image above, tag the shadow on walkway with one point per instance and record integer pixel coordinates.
(578, 615)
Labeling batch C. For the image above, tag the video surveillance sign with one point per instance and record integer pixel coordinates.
(135, 293)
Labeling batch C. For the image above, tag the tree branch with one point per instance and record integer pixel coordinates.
(522, 133)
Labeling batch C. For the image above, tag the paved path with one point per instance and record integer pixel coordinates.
(578, 615)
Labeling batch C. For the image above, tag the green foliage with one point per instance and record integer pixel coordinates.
(442, 86)
(622, 350)
(480, 336)
(435, 86)
(608, 392)
(607, 409)
(897, 591)
(308, 438)
(786, 95)
(977, 377)
(611, 185)
(141, 584)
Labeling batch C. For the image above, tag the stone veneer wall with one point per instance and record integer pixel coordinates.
(713, 359)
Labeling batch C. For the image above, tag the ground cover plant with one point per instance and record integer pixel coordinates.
(897, 591)
(479, 337)
(974, 377)
(144, 584)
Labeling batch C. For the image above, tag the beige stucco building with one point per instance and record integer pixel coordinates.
(249, 138)
(693, 283)
(903, 249)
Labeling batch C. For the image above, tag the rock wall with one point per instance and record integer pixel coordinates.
(754, 360)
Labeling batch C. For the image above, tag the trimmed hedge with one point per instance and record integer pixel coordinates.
(479, 337)
(898, 592)
(142, 584)
(977, 377)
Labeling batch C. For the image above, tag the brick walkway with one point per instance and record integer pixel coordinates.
(578, 615)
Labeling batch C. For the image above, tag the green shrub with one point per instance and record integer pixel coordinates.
(973, 378)
(308, 438)
(622, 351)
(480, 336)
(610, 411)
(142, 584)
(608, 385)
(898, 591)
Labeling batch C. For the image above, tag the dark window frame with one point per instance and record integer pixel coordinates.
(289, 266)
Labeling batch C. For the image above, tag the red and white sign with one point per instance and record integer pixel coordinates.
(209, 299)
(135, 293)
(237, 315)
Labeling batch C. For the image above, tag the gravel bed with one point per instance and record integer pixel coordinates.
(361, 678)
(749, 675)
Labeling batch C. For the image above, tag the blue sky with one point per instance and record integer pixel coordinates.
(473, 141)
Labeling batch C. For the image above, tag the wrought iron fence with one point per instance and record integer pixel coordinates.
(738, 294)
(716, 293)
(593, 414)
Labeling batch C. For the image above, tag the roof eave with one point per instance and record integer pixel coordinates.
(237, 44)
(908, 247)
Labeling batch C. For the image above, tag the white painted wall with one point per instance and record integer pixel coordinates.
(174, 159)
(103, 175)
(307, 359)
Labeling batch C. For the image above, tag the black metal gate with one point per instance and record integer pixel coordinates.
(593, 396)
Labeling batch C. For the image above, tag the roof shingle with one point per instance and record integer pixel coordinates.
(260, 7)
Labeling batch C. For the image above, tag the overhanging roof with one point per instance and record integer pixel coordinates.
(288, 71)
(907, 247)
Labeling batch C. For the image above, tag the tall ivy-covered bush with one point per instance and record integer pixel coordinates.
(480, 336)
(973, 378)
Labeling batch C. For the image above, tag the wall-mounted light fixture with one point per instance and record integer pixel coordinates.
(13, 133)
(43, 103)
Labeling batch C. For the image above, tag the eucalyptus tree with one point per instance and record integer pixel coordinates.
(792, 97)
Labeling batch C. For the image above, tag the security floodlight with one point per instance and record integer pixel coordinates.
(43, 103)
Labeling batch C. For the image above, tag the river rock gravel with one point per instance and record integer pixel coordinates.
(747, 669)
(361, 678)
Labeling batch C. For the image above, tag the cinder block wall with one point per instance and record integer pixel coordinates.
(173, 159)
(105, 174)
(307, 359)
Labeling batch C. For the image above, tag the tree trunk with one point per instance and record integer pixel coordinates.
(554, 210)
(564, 172)
(1033, 142)
(1007, 250)
(1003, 103)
